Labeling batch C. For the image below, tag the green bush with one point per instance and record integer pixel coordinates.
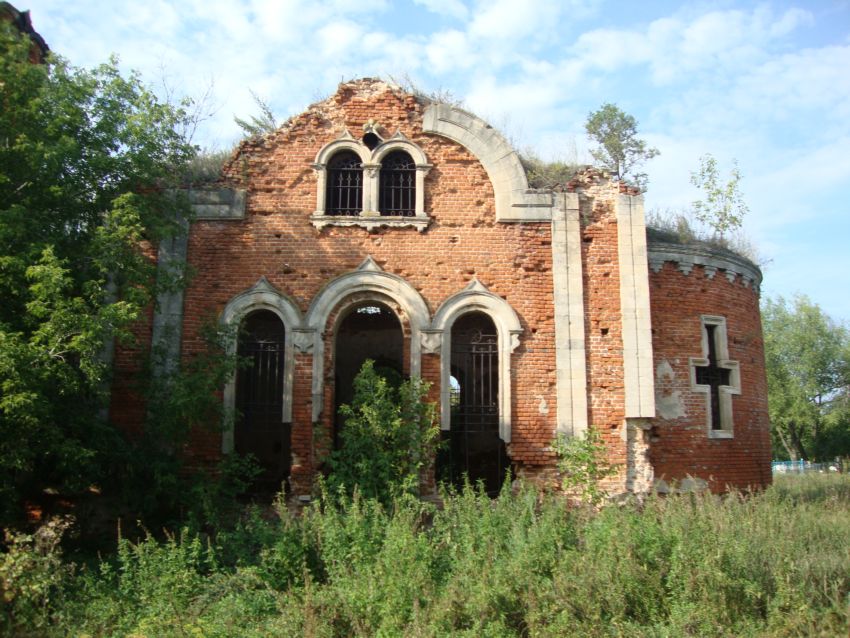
(583, 464)
(32, 580)
(388, 439)
(770, 564)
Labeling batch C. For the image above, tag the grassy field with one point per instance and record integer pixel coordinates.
(772, 564)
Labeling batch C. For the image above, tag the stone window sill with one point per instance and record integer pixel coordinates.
(720, 434)
(370, 222)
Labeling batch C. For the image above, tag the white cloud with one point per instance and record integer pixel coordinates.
(673, 46)
(450, 8)
(504, 21)
(450, 50)
(338, 38)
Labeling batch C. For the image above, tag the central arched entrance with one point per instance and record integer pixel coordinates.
(473, 446)
(260, 429)
(368, 330)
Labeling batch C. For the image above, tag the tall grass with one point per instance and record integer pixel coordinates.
(770, 564)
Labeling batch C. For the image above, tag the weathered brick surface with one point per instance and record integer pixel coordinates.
(463, 241)
(681, 446)
(603, 319)
(276, 240)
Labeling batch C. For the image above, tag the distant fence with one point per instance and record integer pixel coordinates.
(800, 467)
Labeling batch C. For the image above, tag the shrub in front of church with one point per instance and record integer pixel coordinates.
(774, 563)
(389, 437)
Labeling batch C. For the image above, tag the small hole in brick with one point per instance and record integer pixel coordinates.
(604, 331)
(277, 235)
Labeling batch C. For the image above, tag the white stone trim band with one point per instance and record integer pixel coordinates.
(634, 307)
(570, 353)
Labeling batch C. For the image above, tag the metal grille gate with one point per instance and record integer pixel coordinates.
(474, 446)
(259, 398)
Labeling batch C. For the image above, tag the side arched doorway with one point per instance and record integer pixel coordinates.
(260, 429)
(368, 330)
(473, 447)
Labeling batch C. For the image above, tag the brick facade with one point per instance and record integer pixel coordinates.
(467, 245)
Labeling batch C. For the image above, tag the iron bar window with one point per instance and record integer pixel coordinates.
(345, 185)
(398, 185)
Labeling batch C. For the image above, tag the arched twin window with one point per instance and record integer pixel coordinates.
(371, 185)
(396, 185)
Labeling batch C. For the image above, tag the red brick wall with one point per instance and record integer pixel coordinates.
(277, 240)
(463, 241)
(681, 446)
(603, 318)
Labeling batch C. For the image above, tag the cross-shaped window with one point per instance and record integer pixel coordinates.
(715, 375)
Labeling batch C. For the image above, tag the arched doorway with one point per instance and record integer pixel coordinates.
(260, 429)
(473, 447)
(369, 330)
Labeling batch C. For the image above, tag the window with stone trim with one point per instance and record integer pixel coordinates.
(397, 194)
(344, 185)
(716, 376)
(391, 187)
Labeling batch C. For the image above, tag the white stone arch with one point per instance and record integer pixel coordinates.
(399, 142)
(369, 277)
(514, 201)
(477, 298)
(261, 296)
(344, 142)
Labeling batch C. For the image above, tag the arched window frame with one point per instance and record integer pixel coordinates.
(261, 296)
(475, 298)
(370, 217)
(369, 278)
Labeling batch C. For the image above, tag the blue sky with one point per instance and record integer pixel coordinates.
(765, 83)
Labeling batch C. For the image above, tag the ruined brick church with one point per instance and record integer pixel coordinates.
(381, 225)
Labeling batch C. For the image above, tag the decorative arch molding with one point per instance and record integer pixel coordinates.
(261, 296)
(368, 278)
(476, 298)
(370, 217)
(399, 142)
(345, 141)
(515, 202)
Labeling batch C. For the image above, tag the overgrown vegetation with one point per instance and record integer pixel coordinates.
(389, 438)
(618, 148)
(680, 226)
(775, 564)
(722, 206)
(87, 159)
(549, 175)
(583, 465)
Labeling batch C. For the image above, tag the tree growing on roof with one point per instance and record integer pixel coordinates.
(619, 150)
(722, 207)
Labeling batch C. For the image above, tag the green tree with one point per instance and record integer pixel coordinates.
(86, 161)
(722, 207)
(619, 149)
(808, 374)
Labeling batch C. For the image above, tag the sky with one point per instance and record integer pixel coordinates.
(764, 83)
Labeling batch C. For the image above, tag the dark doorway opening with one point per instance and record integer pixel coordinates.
(472, 446)
(260, 429)
(369, 331)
